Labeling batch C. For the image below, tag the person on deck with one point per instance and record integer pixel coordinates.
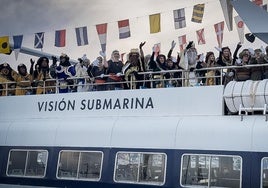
(63, 73)
(265, 68)
(210, 63)
(98, 71)
(43, 78)
(243, 74)
(188, 61)
(114, 70)
(7, 80)
(133, 66)
(257, 59)
(172, 76)
(81, 72)
(225, 59)
(24, 81)
(159, 64)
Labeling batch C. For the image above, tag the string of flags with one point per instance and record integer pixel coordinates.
(124, 31)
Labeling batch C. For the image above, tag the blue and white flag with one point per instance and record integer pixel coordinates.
(17, 44)
(39, 40)
(179, 18)
(17, 41)
(81, 36)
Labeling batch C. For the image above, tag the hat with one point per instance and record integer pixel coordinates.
(250, 37)
(115, 51)
(224, 48)
(169, 59)
(243, 53)
(63, 55)
(208, 55)
(5, 65)
(257, 51)
(134, 50)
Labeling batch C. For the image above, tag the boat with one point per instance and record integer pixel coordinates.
(159, 137)
(137, 138)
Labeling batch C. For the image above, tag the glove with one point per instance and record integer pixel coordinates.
(201, 58)
(54, 60)
(95, 62)
(262, 50)
(189, 45)
(239, 45)
(238, 61)
(155, 48)
(174, 59)
(32, 61)
(173, 44)
(217, 48)
(230, 74)
(84, 57)
(142, 44)
(118, 74)
(102, 75)
(103, 54)
(251, 51)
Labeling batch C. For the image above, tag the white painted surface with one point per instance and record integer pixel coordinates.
(169, 132)
(176, 122)
(165, 101)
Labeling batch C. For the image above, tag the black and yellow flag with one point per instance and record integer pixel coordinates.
(198, 12)
(155, 23)
(4, 45)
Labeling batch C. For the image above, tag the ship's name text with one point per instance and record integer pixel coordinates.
(96, 104)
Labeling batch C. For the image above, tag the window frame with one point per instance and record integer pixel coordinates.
(211, 156)
(26, 162)
(78, 165)
(262, 170)
(144, 182)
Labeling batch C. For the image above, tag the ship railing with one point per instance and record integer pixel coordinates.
(243, 111)
(186, 78)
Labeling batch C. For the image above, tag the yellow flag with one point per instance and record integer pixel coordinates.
(198, 12)
(4, 45)
(155, 23)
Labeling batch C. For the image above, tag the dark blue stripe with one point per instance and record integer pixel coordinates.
(124, 35)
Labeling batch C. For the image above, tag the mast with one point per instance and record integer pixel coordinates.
(37, 53)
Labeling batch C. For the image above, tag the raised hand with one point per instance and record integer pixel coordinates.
(173, 44)
(142, 44)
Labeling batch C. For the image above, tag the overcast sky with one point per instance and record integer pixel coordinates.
(26, 17)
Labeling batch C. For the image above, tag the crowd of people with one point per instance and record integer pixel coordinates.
(188, 68)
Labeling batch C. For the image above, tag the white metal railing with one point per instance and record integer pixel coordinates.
(246, 110)
(148, 80)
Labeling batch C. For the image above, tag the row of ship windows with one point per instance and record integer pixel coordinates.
(133, 167)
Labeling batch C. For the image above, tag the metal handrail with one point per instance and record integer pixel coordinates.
(149, 78)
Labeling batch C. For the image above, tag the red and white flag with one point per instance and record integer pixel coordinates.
(258, 2)
(182, 42)
(102, 32)
(200, 36)
(219, 27)
(240, 28)
(124, 30)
